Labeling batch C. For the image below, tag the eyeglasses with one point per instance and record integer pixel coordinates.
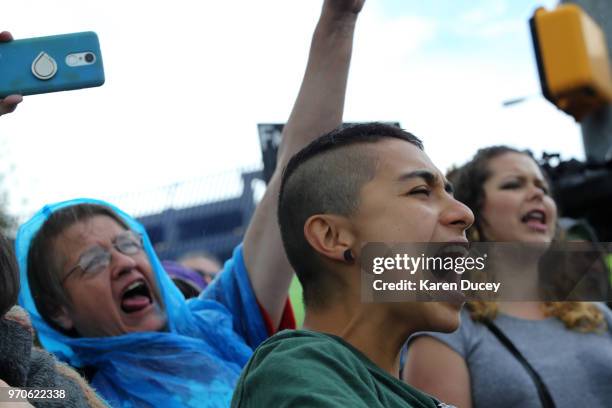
(96, 259)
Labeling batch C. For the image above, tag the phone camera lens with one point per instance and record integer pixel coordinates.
(89, 57)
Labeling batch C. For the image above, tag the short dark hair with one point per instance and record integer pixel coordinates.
(326, 177)
(44, 264)
(9, 276)
(469, 180)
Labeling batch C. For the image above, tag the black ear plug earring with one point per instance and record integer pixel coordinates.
(348, 255)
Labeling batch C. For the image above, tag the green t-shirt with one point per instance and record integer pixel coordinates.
(300, 368)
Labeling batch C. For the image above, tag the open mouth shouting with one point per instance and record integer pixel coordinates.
(140, 305)
(535, 220)
(447, 252)
(136, 296)
(442, 274)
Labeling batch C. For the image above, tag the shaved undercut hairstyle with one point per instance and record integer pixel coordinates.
(326, 177)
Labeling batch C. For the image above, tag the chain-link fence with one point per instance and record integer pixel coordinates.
(206, 214)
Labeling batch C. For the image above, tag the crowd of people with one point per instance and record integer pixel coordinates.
(102, 317)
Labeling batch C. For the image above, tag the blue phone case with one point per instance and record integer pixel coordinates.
(50, 64)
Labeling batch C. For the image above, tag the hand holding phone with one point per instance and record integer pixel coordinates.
(50, 64)
(8, 104)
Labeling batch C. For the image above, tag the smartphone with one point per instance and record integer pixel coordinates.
(50, 64)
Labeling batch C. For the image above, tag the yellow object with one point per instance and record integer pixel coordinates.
(572, 58)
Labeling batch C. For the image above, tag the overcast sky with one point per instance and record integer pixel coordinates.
(188, 81)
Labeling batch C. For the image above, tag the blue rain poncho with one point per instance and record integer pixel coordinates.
(195, 363)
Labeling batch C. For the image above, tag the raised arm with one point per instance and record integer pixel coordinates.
(317, 110)
(8, 104)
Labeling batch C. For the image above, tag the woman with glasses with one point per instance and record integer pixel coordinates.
(101, 300)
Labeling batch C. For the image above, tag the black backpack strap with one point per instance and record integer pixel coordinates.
(545, 398)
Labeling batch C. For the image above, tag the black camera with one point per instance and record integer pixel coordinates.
(583, 190)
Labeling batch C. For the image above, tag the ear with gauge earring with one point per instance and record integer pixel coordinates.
(348, 256)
